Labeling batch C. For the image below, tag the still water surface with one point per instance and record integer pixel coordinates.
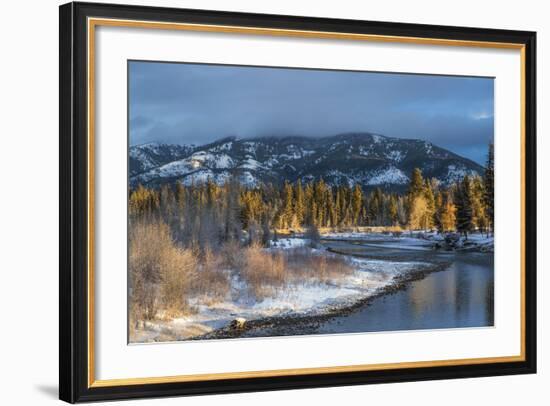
(460, 296)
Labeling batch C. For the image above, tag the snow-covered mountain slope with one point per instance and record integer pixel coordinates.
(371, 160)
(148, 156)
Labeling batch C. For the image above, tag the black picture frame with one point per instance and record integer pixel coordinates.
(74, 385)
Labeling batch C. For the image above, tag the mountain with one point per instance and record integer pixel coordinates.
(149, 156)
(371, 160)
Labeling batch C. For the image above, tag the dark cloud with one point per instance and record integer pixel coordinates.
(195, 103)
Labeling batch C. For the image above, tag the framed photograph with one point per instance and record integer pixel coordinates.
(257, 202)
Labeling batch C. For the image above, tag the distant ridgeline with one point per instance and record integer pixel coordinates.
(369, 160)
(231, 186)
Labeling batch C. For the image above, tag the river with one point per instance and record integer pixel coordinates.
(459, 296)
(451, 289)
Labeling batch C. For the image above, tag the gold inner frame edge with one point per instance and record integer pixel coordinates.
(94, 22)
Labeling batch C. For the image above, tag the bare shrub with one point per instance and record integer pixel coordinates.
(263, 272)
(213, 281)
(298, 263)
(304, 265)
(178, 272)
(144, 271)
(335, 267)
(232, 255)
(161, 273)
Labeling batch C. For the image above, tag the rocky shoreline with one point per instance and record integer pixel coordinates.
(308, 324)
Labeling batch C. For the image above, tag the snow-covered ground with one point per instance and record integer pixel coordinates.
(356, 235)
(314, 298)
(310, 298)
(390, 175)
(406, 238)
(288, 243)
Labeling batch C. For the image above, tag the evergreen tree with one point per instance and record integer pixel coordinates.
(374, 208)
(251, 208)
(416, 185)
(480, 219)
(332, 216)
(314, 218)
(319, 192)
(489, 183)
(143, 203)
(463, 202)
(342, 204)
(393, 210)
(430, 204)
(417, 205)
(418, 217)
(310, 210)
(337, 219)
(299, 203)
(357, 204)
(288, 206)
(448, 213)
(439, 208)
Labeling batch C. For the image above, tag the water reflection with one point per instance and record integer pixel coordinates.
(460, 296)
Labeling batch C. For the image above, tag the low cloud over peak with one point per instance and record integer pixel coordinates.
(197, 103)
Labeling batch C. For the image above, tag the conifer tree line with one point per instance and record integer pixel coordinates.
(209, 214)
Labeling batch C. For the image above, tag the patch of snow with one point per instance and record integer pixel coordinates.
(390, 175)
(248, 179)
(377, 138)
(318, 160)
(201, 162)
(149, 155)
(395, 155)
(296, 152)
(428, 146)
(203, 176)
(365, 151)
(271, 162)
(250, 163)
(456, 173)
(292, 156)
(358, 235)
(226, 146)
(479, 237)
(172, 169)
(224, 161)
(145, 159)
(339, 177)
(288, 243)
(250, 147)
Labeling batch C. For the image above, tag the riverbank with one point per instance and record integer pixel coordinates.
(296, 308)
(309, 323)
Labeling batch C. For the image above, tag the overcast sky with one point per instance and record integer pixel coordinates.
(196, 103)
